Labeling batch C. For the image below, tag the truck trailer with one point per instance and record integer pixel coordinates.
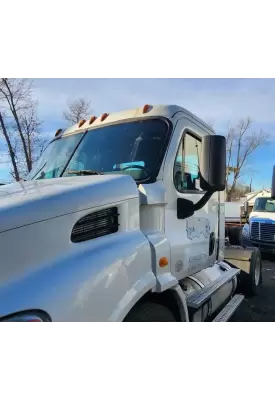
(122, 219)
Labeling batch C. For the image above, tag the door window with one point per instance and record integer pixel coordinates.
(186, 167)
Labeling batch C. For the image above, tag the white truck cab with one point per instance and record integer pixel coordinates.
(122, 219)
(260, 228)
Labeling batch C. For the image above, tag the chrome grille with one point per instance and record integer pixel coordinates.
(255, 230)
(263, 231)
(267, 232)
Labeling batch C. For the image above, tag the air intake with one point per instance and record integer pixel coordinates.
(100, 223)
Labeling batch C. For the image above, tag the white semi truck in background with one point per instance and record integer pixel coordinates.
(255, 228)
(259, 231)
(122, 219)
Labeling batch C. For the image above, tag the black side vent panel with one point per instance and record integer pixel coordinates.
(100, 223)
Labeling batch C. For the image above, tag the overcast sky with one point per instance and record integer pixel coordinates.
(215, 100)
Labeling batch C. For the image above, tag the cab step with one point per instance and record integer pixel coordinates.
(230, 308)
(198, 298)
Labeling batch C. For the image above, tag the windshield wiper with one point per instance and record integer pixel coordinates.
(84, 172)
(39, 170)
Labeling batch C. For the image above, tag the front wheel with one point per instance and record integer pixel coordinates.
(150, 312)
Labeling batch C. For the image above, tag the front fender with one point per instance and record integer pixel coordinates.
(100, 281)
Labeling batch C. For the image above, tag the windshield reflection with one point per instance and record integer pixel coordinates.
(134, 148)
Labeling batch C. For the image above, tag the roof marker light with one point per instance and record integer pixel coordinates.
(92, 119)
(58, 132)
(103, 117)
(146, 108)
(82, 122)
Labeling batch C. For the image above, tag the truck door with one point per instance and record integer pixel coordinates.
(193, 240)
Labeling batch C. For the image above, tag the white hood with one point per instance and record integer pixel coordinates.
(24, 203)
(262, 216)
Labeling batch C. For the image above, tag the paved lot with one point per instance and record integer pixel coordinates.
(260, 308)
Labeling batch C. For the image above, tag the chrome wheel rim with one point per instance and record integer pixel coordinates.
(257, 272)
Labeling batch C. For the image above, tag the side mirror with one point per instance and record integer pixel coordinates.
(273, 184)
(185, 208)
(213, 163)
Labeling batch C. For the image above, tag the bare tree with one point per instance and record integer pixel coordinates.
(20, 124)
(77, 109)
(10, 148)
(241, 142)
(36, 143)
(240, 191)
(31, 127)
(17, 93)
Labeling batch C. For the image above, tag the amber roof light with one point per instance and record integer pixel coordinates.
(92, 119)
(146, 108)
(103, 117)
(82, 122)
(58, 132)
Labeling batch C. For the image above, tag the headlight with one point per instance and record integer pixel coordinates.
(245, 232)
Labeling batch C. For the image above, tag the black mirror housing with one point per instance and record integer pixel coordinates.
(273, 184)
(213, 163)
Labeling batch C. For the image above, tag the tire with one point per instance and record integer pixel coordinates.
(150, 312)
(234, 234)
(250, 283)
(226, 232)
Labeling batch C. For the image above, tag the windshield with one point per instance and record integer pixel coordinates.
(134, 148)
(264, 204)
(55, 158)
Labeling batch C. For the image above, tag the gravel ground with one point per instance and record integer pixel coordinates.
(260, 308)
